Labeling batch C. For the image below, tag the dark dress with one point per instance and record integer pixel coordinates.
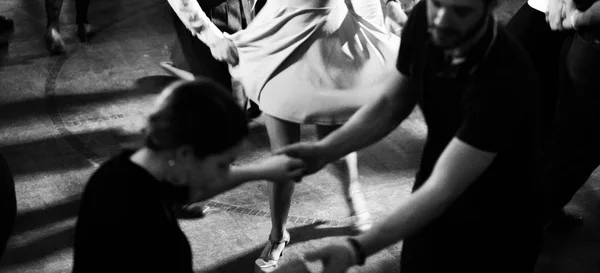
(489, 102)
(125, 226)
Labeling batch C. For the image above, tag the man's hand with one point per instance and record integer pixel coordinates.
(336, 257)
(555, 14)
(571, 16)
(282, 168)
(312, 154)
(224, 50)
(395, 18)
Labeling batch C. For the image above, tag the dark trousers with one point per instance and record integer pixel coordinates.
(529, 27)
(575, 142)
(189, 53)
(192, 55)
(53, 8)
(8, 204)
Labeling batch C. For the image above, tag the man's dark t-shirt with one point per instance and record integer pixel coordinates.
(489, 102)
(124, 226)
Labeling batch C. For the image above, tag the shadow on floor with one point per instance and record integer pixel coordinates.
(35, 219)
(60, 154)
(38, 249)
(12, 112)
(245, 261)
(51, 242)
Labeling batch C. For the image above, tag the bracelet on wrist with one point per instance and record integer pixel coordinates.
(358, 250)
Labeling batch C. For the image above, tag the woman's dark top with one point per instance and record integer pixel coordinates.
(124, 226)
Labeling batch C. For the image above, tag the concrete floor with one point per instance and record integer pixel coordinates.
(61, 116)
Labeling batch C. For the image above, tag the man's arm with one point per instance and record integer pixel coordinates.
(459, 165)
(373, 121)
(587, 18)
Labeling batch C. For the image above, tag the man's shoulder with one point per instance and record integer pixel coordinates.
(510, 52)
(417, 22)
(508, 63)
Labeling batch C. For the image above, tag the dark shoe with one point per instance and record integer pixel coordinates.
(83, 32)
(191, 211)
(565, 220)
(54, 42)
(7, 26)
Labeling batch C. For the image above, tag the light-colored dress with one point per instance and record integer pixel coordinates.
(314, 61)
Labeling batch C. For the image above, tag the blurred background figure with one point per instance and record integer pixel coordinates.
(7, 27)
(54, 41)
(202, 50)
(574, 149)
(8, 204)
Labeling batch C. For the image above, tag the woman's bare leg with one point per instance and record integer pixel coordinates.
(281, 133)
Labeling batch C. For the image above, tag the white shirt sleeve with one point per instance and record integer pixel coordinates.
(195, 20)
(540, 5)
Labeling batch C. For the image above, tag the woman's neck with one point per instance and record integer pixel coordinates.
(151, 161)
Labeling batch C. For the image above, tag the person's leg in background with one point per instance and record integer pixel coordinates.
(530, 28)
(191, 55)
(53, 39)
(8, 204)
(544, 46)
(83, 25)
(575, 150)
(7, 27)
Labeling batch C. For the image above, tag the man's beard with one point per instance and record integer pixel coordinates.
(461, 39)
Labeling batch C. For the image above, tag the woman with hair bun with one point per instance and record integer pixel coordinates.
(126, 221)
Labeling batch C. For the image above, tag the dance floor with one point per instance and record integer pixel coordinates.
(61, 116)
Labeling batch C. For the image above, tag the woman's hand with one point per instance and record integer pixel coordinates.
(571, 15)
(224, 50)
(282, 168)
(555, 14)
(395, 18)
(313, 155)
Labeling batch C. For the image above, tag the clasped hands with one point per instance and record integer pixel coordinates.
(224, 50)
(562, 15)
(294, 162)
